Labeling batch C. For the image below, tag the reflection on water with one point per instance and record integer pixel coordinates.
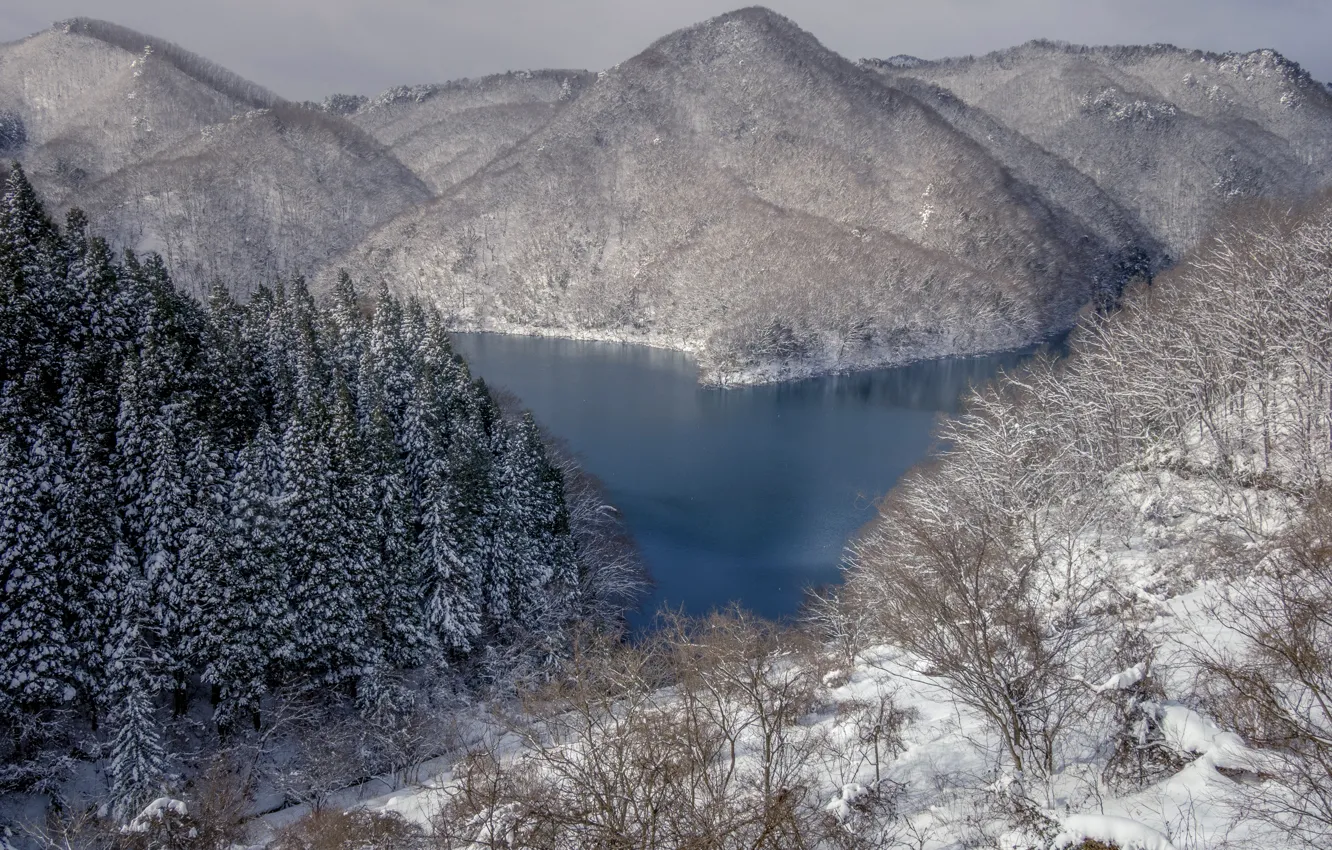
(744, 494)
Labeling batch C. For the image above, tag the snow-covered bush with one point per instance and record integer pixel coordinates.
(1139, 752)
(354, 830)
(1275, 687)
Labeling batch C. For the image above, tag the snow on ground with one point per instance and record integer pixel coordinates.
(949, 766)
(1127, 833)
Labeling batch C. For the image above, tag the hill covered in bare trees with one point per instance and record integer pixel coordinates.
(446, 133)
(735, 190)
(1169, 133)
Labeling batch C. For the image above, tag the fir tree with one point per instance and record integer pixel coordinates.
(347, 328)
(393, 577)
(166, 533)
(138, 761)
(35, 654)
(246, 625)
(318, 549)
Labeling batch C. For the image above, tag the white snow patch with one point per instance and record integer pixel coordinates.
(154, 811)
(1122, 832)
(1124, 679)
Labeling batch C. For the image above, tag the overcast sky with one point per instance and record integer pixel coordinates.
(305, 49)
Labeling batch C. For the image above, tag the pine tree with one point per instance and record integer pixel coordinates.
(133, 452)
(28, 257)
(166, 533)
(389, 359)
(246, 622)
(317, 545)
(138, 761)
(202, 559)
(392, 575)
(347, 328)
(84, 527)
(522, 551)
(452, 588)
(35, 655)
(238, 394)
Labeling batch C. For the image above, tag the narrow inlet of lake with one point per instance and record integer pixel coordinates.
(744, 495)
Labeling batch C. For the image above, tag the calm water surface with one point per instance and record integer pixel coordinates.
(742, 495)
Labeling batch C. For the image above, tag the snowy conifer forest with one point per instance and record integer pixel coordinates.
(211, 510)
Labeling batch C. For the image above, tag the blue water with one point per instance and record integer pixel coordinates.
(745, 495)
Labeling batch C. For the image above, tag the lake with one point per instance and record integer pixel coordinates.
(746, 494)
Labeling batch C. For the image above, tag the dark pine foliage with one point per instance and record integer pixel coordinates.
(218, 501)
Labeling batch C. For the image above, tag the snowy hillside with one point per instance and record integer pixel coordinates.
(1168, 133)
(165, 151)
(691, 195)
(446, 133)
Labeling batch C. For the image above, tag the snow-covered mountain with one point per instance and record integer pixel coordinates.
(446, 133)
(166, 151)
(1168, 133)
(735, 190)
(741, 191)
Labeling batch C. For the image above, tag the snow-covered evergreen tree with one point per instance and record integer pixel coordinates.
(28, 254)
(35, 654)
(138, 760)
(166, 534)
(317, 546)
(245, 617)
(451, 586)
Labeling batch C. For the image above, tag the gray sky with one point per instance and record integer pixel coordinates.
(309, 48)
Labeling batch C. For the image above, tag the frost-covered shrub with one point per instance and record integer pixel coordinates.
(356, 830)
(1141, 754)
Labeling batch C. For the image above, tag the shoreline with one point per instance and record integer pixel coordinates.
(775, 372)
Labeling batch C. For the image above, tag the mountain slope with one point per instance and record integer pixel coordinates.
(215, 216)
(445, 133)
(735, 190)
(1171, 134)
(694, 192)
(93, 97)
(162, 147)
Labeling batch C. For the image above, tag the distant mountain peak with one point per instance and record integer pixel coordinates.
(754, 15)
(191, 64)
(737, 32)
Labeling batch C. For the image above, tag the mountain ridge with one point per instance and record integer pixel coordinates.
(735, 189)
